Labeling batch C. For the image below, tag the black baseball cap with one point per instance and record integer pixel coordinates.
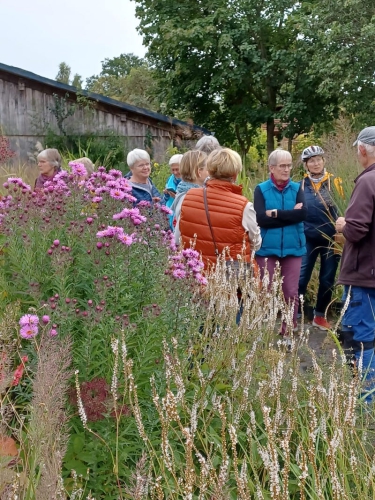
(367, 136)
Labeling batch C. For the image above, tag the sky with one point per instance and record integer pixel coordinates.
(36, 35)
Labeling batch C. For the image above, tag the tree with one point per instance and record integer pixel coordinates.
(230, 62)
(127, 78)
(77, 81)
(63, 75)
(343, 53)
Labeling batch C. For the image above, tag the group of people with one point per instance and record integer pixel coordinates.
(289, 225)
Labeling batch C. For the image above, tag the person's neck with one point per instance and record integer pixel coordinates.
(317, 175)
(370, 161)
(137, 180)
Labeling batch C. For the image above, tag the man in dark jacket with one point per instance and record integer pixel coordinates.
(357, 271)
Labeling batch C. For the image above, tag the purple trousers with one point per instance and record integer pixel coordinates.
(290, 268)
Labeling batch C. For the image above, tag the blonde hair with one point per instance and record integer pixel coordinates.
(191, 163)
(224, 164)
(87, 163)
(52, 156)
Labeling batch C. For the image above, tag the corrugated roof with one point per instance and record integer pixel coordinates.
(123, 106)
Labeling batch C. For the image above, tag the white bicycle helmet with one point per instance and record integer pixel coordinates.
(311, 151)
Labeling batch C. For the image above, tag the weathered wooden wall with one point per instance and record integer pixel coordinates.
(25, 116)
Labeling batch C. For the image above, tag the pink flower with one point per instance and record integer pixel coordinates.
(45, 319)
(53, 332)
(78, 169)
(117, 194)
(29, 320)
(144, 203)
(126, 239)
(189, 253)
(28, 331)
(201, 279)
(97, 199)
(179, 274)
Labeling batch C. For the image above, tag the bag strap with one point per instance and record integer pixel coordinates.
(209, 220)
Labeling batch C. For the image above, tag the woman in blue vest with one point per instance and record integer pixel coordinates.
(280, 207)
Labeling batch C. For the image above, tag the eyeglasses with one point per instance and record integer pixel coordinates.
(284, 166)
(143, 165)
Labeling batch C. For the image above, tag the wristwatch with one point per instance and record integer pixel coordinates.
(273, 213)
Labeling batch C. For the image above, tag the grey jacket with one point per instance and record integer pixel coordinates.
(358, 258)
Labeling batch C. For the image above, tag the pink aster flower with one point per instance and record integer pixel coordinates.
(78, 169)
(201, 279)
(28, 331)
(97, 199)
(53, 332)
(125, 239)
(117, 194)
(29, 320)
(179, 274)
(144, 203)
(189, 253)
(45, 319)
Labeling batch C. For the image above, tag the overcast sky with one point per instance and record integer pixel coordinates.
(36, 35)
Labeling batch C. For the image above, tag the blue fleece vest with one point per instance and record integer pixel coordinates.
(282, 241)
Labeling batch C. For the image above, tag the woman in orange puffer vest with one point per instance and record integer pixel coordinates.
(218, 216)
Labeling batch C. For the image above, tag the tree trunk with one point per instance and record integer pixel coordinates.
(290, 144)
(270, 135)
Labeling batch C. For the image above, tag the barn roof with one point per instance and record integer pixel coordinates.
(123, 106)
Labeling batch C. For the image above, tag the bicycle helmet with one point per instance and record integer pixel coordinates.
(311, 151)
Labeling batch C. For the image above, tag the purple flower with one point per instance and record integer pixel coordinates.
(97, 199)
(53, 332)
(179, 274)
(78, 169)
(116, 194)
(29, 320)
(28, 331)
(190, 253)
(56, 243)
(201, 279)
(144, 203)
(126, 239)
(165, 209)
(45, 319)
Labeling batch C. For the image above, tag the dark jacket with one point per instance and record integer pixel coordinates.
(358, 258)
(282, 236)
(319, 223)
(143, 194)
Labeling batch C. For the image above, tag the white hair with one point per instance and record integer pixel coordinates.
(368, 147)
(207, 144)
(175, 159)
(52, 156)
(277, 155)
(136, 155)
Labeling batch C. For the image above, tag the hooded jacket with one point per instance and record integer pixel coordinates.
(358, 257)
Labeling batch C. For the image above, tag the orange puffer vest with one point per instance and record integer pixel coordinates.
(225, 205)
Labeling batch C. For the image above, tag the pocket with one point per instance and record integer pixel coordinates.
(353, 314)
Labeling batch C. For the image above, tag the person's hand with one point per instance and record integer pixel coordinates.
(165, 191)
(156, 199)
(340, 224)
(269, 212)
(298, 206)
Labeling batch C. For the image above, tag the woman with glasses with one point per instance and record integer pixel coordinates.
(139, 177)
(280, 207)
(319, 230)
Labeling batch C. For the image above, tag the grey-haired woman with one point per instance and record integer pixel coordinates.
(49, 163)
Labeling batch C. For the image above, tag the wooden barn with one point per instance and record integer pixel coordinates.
(30, 105)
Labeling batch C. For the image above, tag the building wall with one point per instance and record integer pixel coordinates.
(25, 115)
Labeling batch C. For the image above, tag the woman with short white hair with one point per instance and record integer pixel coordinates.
(280, 207)
(49, 163)
(207, 144)
(140, 168)
(172, 183)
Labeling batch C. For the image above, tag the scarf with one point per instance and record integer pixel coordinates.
(317, 183)
(39, 183)
(184, 186)
(280, 186)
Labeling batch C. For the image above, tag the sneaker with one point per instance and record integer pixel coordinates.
(321, 323)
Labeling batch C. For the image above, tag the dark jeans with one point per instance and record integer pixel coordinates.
(328, 267)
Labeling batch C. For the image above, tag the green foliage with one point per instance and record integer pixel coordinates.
(63, 75)
(236, 64)
(126, 78)
(109, 151)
